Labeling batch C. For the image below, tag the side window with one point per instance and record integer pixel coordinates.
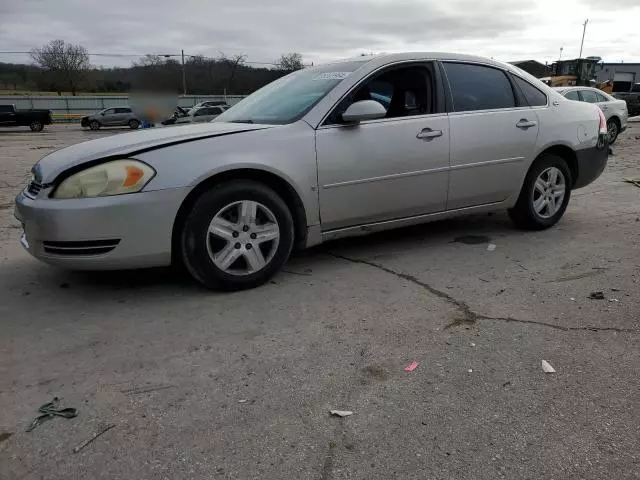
(534, 97)
(109, 111)
(6, 108)
(476, 87)
(216, 111)
(589, 96)
(123, 110)
(202, 112)
(573, 95)
(402, 91)
(601, 98)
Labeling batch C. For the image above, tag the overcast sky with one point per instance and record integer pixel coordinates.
(323, 30)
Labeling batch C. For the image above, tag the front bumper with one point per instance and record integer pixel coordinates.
(591, 162)
(118, 232)
(84, 122)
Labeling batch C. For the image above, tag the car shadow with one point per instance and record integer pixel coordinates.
(175, 280)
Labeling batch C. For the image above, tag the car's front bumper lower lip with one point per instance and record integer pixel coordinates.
(118, 232)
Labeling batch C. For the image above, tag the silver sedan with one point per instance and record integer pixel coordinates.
(615, 111)
(343, 149)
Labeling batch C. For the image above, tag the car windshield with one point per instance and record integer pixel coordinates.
(289, 98)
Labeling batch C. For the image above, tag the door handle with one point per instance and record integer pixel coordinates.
(524, 124)
(428, 134)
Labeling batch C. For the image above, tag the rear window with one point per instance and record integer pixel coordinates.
(589, 96)
(572, 95)
(477, 87)
(534, 97)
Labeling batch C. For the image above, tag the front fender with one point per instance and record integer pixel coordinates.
(287, 151)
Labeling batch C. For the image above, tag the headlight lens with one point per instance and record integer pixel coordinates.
(110, 178)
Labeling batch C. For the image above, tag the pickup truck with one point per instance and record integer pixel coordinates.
(34, 119)
(632, 98)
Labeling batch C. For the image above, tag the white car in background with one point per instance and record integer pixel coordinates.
(200, 114)
(615, 111)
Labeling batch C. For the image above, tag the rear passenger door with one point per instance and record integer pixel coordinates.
(493, 134)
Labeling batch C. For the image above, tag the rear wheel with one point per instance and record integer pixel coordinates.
(237, 236)
(134, 124)
(545, 194)
(94, 125)
(36, 126)
(613, 129)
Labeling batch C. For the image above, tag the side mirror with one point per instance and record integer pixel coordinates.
(363, 110)
(102, 113)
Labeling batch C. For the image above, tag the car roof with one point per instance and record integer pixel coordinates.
(384, 58)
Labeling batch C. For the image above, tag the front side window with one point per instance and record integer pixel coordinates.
(534, 97)
(123, 110)
(402, 91)
(289, 98)
(477, 87)
(572, 95)
(109, 111)
(589, 96)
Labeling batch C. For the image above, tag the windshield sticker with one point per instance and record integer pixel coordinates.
(332, 76)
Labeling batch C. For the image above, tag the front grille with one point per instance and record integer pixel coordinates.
(80, 248)
(34, 188)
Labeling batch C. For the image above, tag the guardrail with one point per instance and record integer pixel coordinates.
(67, 109)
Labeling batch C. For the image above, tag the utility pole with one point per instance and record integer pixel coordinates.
(560, 57)
(184, 75)
(584, 29)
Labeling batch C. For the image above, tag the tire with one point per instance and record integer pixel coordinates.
(613, 129)
(201, 249)
(36, 126)
(134, 124)
(94, 125)
(524, 213)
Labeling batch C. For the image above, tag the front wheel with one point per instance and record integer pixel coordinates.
(545, 194)
(237, 235)
(36, 126)
(94, 125)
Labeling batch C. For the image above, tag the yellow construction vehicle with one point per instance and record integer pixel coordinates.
(580, 71)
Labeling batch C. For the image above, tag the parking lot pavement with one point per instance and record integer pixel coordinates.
(239, 386)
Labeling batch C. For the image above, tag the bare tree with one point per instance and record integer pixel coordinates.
(233, 63)
(290, 62)
(67, 62)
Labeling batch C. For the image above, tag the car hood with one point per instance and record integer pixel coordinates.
(47, 169)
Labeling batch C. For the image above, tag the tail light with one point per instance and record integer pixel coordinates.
(603, 122)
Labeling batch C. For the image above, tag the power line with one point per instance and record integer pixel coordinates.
(141, 55)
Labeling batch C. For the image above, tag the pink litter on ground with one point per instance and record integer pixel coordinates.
(411, 367)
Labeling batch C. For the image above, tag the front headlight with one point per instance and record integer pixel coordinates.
(110, 178)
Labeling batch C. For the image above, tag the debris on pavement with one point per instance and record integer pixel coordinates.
(242, 401)
(596, 295)
(411, 367)
(341, 413)
(93, 437)
(473, 344)
(632, 181)
(491, 247)
(547, 368)
(470, 370)
(50, 410)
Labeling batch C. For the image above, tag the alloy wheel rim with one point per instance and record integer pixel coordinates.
(612, 130)
(243, 237)
(548, 192)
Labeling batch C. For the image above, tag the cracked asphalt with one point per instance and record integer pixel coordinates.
(239, 386)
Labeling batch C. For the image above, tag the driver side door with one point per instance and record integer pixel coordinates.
(389, 168)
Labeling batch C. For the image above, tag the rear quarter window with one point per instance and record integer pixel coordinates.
(534, 97)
